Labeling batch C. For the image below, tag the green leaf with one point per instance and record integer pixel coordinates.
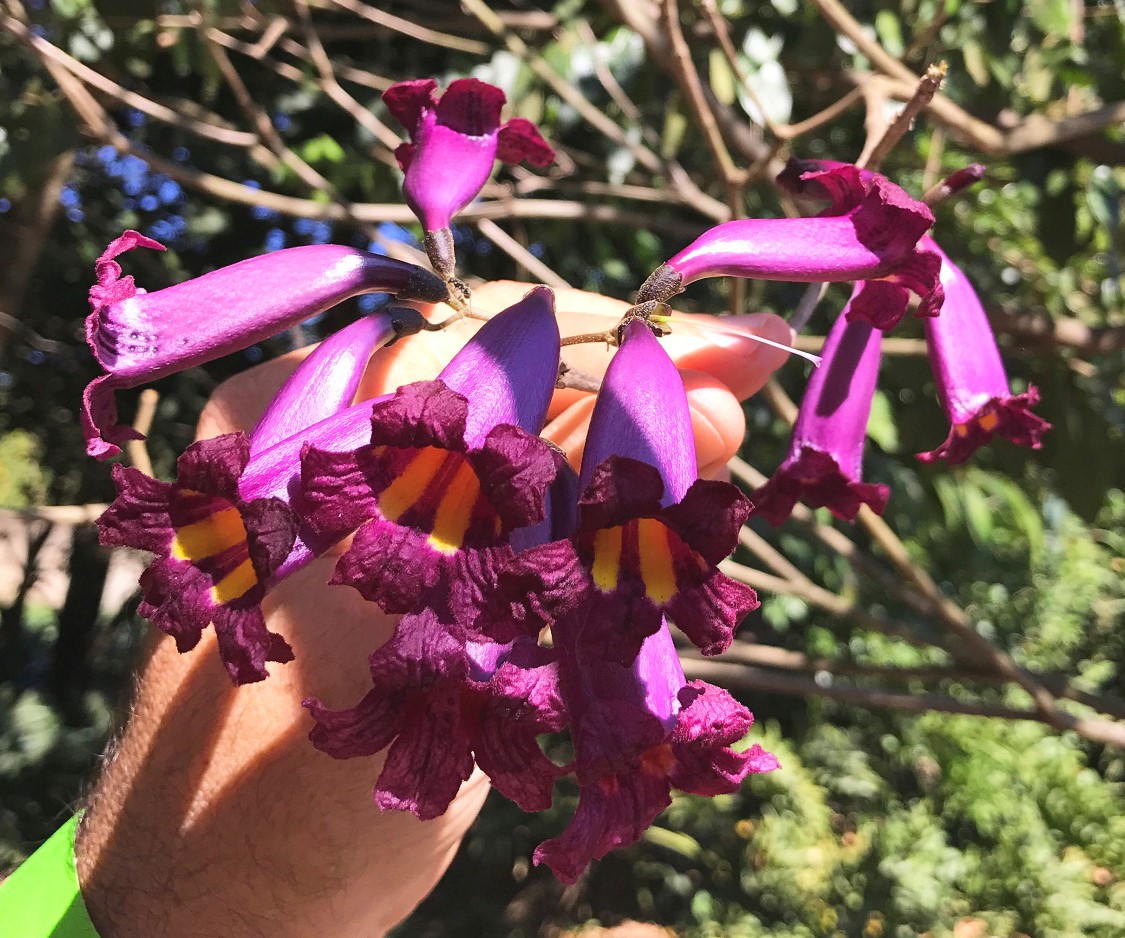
(322, 149)
(881, 426)
(1052, 17)
(889, 31)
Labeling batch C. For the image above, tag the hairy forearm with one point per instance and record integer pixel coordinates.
(215, 816)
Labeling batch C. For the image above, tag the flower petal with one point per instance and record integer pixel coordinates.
(710, 722)
(471, 107)
(407, 99)
(520, 139)
(709, 518)
(611, 813)
(816, 479)
(324, 384)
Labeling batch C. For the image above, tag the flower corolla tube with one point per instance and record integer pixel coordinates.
(971, 382)
(138, 336)
(869, 233)
(824, 463)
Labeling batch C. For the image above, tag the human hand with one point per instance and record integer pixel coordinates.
(214, 814)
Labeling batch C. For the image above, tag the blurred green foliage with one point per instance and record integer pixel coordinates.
(880, 823)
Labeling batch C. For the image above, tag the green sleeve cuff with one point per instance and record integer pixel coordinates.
(41, 898)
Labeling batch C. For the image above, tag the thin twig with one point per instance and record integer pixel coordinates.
(577, 380)
(137, 450)
(211, 129)
(763, 680)
(648, 158)
(722, 33)
(409, 28)
(829, 114)
(689, 82)
(928, 86)
(332, 88)
(519, 253)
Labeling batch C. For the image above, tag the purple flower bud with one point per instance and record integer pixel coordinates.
(825, 458)
(870, 233)
(138, 337)
(454, 143)
(325, 383)
(971, 382)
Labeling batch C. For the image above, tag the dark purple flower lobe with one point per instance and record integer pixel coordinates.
(435, 514)
(216, 552)
(439, 703)
(817, 479)
(632, 562)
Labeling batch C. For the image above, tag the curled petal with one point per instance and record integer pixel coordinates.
(471, 107)
(1009, 417)
(817, 479)
(709, 517)
(534, 587)
(613, 812)
(520, 140)
(515, 470)
(406, 100)
(620, 489)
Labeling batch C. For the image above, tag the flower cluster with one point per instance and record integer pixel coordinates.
(531, 599)
(823, 466)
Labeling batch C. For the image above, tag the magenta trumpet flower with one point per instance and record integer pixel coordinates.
(451, 469)
(138, 337)
(221, 539)
(971, 382)
(440, 703)
(823, 468)
(454, 143)
(649, 535)
(216, 551)
(870, 235)
(638, 732)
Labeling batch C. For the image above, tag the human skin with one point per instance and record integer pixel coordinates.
(213, 815)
